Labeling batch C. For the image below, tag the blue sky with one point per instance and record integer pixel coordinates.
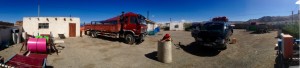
(160, 10)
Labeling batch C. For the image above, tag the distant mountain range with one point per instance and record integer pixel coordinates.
(276, 19)
(264, 19)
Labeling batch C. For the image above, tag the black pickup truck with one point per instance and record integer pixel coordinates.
(212, 34)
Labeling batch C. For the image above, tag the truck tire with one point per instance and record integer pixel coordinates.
(129, 39)
(224, 48)
(93, 34)
(89, 33)
(225, 43)
(140, 39)
(85, 33)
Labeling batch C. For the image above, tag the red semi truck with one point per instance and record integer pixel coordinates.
(129, 26)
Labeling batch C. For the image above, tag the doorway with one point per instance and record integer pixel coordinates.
(72, 29)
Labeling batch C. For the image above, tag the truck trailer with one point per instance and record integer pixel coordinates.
(130, 27)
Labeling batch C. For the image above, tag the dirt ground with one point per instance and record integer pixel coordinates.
(250, 51)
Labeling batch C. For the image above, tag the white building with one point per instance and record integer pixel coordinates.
(58, 26)
(176, 26)
(151, 25)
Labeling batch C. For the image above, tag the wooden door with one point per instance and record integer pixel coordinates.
(72, 29)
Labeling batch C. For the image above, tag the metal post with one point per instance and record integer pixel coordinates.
(292, 16)
(299, 20)
(298, 2)
(148, 15)
(170, 20)
(38, 8)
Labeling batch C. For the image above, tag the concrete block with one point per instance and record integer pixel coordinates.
(164, 53)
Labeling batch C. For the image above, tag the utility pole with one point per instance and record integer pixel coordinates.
(299, 20)
(70, 13)
(292, 16)
(148, 15)
(170, 20)
(38, 8)
(298, 3)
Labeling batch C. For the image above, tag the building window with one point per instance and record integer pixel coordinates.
(176, 26)
(43, 25)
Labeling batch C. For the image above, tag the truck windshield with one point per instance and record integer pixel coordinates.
(142, 19)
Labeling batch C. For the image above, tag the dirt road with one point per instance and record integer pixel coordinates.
(250, 51)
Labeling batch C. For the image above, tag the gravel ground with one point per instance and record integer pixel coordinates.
(250, 51)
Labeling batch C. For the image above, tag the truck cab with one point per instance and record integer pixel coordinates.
(133, 27)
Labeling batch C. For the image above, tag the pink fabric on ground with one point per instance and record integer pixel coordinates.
(20, 61)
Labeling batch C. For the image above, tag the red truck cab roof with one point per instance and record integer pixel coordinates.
(118, 17)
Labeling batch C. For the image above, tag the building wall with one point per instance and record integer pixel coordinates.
(19, 23)
(151, 27)
(180, 26)
(57, 25)
(5, 37)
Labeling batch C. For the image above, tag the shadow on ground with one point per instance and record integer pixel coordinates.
(2, 48)
(117, 40)
(256, 32)
(195, 49)
(152, 55)
(110, 39)
(49, 67)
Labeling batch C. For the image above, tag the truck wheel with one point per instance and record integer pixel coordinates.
(224, 48)
(140, 40)
(89, 33)
(94, 35)
(129, 39)
(224, 44)
(85, 32)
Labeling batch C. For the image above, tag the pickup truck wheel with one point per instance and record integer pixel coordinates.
(129, 39)
(223, 48)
